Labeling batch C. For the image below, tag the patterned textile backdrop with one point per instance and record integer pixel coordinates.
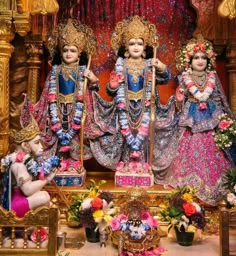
(174, 20)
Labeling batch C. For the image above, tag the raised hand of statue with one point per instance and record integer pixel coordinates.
(91, 76)
(115, 79)
(160, 66)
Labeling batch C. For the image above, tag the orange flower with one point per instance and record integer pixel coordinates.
(96, 203)
(189, 209)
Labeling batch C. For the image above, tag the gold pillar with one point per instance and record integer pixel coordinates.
(6, 49)
(34, 49)
(231, 68)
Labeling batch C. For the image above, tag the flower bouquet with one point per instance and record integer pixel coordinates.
(182, 213)
(225, 133)
(93, 209)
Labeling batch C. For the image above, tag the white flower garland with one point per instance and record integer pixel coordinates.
(208, 88)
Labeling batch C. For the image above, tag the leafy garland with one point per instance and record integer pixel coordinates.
(64, 137)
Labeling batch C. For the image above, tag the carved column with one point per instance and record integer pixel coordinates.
(231, 68)
(34, 49)
(6, 49)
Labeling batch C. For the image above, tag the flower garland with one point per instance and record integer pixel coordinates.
(34, 168)
(134, 142)
(201, 96)
(64, 137)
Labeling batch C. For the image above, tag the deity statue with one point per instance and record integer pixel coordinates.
(125, 147)
(65, 111)
(24, 175)
(198, 161)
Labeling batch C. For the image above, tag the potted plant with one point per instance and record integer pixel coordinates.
(183, 214)
(93, 210)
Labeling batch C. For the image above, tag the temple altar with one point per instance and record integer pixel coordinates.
(25, 62)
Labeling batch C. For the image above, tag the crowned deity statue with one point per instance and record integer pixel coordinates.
(25, 174)
(65, 111)
(135, 114)
(198, 160)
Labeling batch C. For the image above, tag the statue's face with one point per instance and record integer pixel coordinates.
(199, 62)
(70, 54)
(36, 146)
(136, 48)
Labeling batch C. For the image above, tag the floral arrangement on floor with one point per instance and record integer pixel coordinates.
(229, 183)
(136, 227)
(225, 133)
(182, 212)
(92, 209)
(158, 251)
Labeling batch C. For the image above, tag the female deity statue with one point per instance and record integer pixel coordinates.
(24, 176)
(64, 111)
(198, 161)
(125, 147)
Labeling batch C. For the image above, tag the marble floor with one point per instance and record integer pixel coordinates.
(76, 245)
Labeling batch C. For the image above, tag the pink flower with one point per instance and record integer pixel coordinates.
(147, 217)
(64, 149)
(115, 224)
(146, 167)
(125, 131)
(147, 103)
(20, 156)
(202, 105)
(79, 97)
(52, 97)
(135, 154)
(150, 76)
(65, 164)
(121, 105)
(143, 130)
(56, 126)
(122, 217)
(77, 164)
(134, 166)
(224, 124)
(41, 175)
(75, 126)
(120, 166)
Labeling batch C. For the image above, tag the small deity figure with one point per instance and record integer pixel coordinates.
(125, 147)
(198, 161)
(24, 175)
(64, 111)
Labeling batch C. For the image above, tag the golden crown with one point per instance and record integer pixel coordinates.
(72, 33)
(27, 133)
(135, 27)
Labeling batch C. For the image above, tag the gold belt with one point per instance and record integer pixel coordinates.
(66, 98)
(135, 95)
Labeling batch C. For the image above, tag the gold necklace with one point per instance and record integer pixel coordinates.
(68, 70)
(135, 68)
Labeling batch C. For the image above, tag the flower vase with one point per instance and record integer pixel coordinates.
(92, 235)
(184, 238)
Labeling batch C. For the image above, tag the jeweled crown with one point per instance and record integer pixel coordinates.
(72, 33)
(26, 133)
(135, 27)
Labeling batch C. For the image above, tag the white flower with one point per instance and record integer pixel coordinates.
(231, 198)
(86, 203)
(197, 206)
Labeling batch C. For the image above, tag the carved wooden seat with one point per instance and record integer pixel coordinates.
(15, 232)
(227, 231)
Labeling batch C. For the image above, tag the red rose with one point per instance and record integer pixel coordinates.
(224, 124)
(96, 203)
(189, 209)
